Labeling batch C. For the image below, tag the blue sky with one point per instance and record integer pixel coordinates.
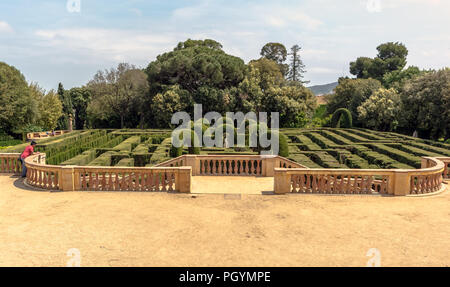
(50, 43)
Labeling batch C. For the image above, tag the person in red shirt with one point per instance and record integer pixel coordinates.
(29, 150)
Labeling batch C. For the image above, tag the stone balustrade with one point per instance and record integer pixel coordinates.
(39, 135)
(175, 175)
(231, 165)
(10, 163)
(87, 178)
(363, 181)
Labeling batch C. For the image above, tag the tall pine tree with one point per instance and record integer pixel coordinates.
(296, 66)
(64, 97)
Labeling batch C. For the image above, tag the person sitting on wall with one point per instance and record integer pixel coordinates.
(29, 150)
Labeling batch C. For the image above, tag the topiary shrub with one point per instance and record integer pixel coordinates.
(342, 118)
(282, 143)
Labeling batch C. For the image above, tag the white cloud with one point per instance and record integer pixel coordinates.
(5, 27)
(278, 17)
(373, 6)
(110, 44)
(323, 70)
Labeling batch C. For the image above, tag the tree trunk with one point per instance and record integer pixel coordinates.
(121, 121)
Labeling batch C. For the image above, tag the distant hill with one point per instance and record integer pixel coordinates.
(323, 89)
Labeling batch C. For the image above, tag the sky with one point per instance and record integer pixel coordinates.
(69, 40)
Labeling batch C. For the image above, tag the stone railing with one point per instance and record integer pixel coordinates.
(10, 163)
(363, 181)
(446, 161)
(39, 135)
(41, 175)
(231, 165)
(89, 178)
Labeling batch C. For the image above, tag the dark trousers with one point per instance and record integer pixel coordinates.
(24, 168)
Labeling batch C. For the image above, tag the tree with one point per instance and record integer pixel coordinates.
(391, 57)
(294, 103)
(119, 89)
(276, 52)
(194, 64)
(396, 79)
(199, 43)
(381, 110)
(80, 98)
(426, 105)
(166, 104)
(63, 122)
(17, 106)
(360, 68)
(269, 73)
(297, 68)
(350, 94)
(50, 110)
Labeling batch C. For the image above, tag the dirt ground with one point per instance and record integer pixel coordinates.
(164, 229)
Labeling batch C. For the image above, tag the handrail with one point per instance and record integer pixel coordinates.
(102, 178)
(175, 175)
(351, 181)
(232, 165)
(10, 163)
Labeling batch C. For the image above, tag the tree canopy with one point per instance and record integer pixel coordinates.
(17, 107)
(391, 57)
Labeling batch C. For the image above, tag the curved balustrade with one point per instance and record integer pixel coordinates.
(231, 165)
(41, 175)
(10, 163)
(289, 176)
(364, 181)
(446, 161)
(130, 179)
(85, 178)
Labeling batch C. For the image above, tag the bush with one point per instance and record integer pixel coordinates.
(342, 118)
(282, 143)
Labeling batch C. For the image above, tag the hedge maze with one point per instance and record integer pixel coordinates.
(314, 148)
(359, 148)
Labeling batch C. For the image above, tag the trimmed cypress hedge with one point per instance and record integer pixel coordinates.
(342, 118)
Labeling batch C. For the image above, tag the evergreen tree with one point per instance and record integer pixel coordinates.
(297, 68)
(64, 97)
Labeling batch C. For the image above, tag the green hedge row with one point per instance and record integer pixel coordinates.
(363, 134)
(396, 154)
(303, 160)
(161, 153)
(125, 162)
(353, 137)
(103, 160)
(335, 137)
(350, 159)
(438, 150)
(82, 159)
(77, 148)
(378, 159)
(325, 159)
(322, 141)
(306, 143)
(128, 144)
(413, 150)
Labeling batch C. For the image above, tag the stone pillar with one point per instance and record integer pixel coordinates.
(269, 163)
(66, 179)
(281, 182)
(183, 179)
(402, 183)
(70, 123)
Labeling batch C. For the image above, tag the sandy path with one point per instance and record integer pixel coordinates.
(161, 229)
